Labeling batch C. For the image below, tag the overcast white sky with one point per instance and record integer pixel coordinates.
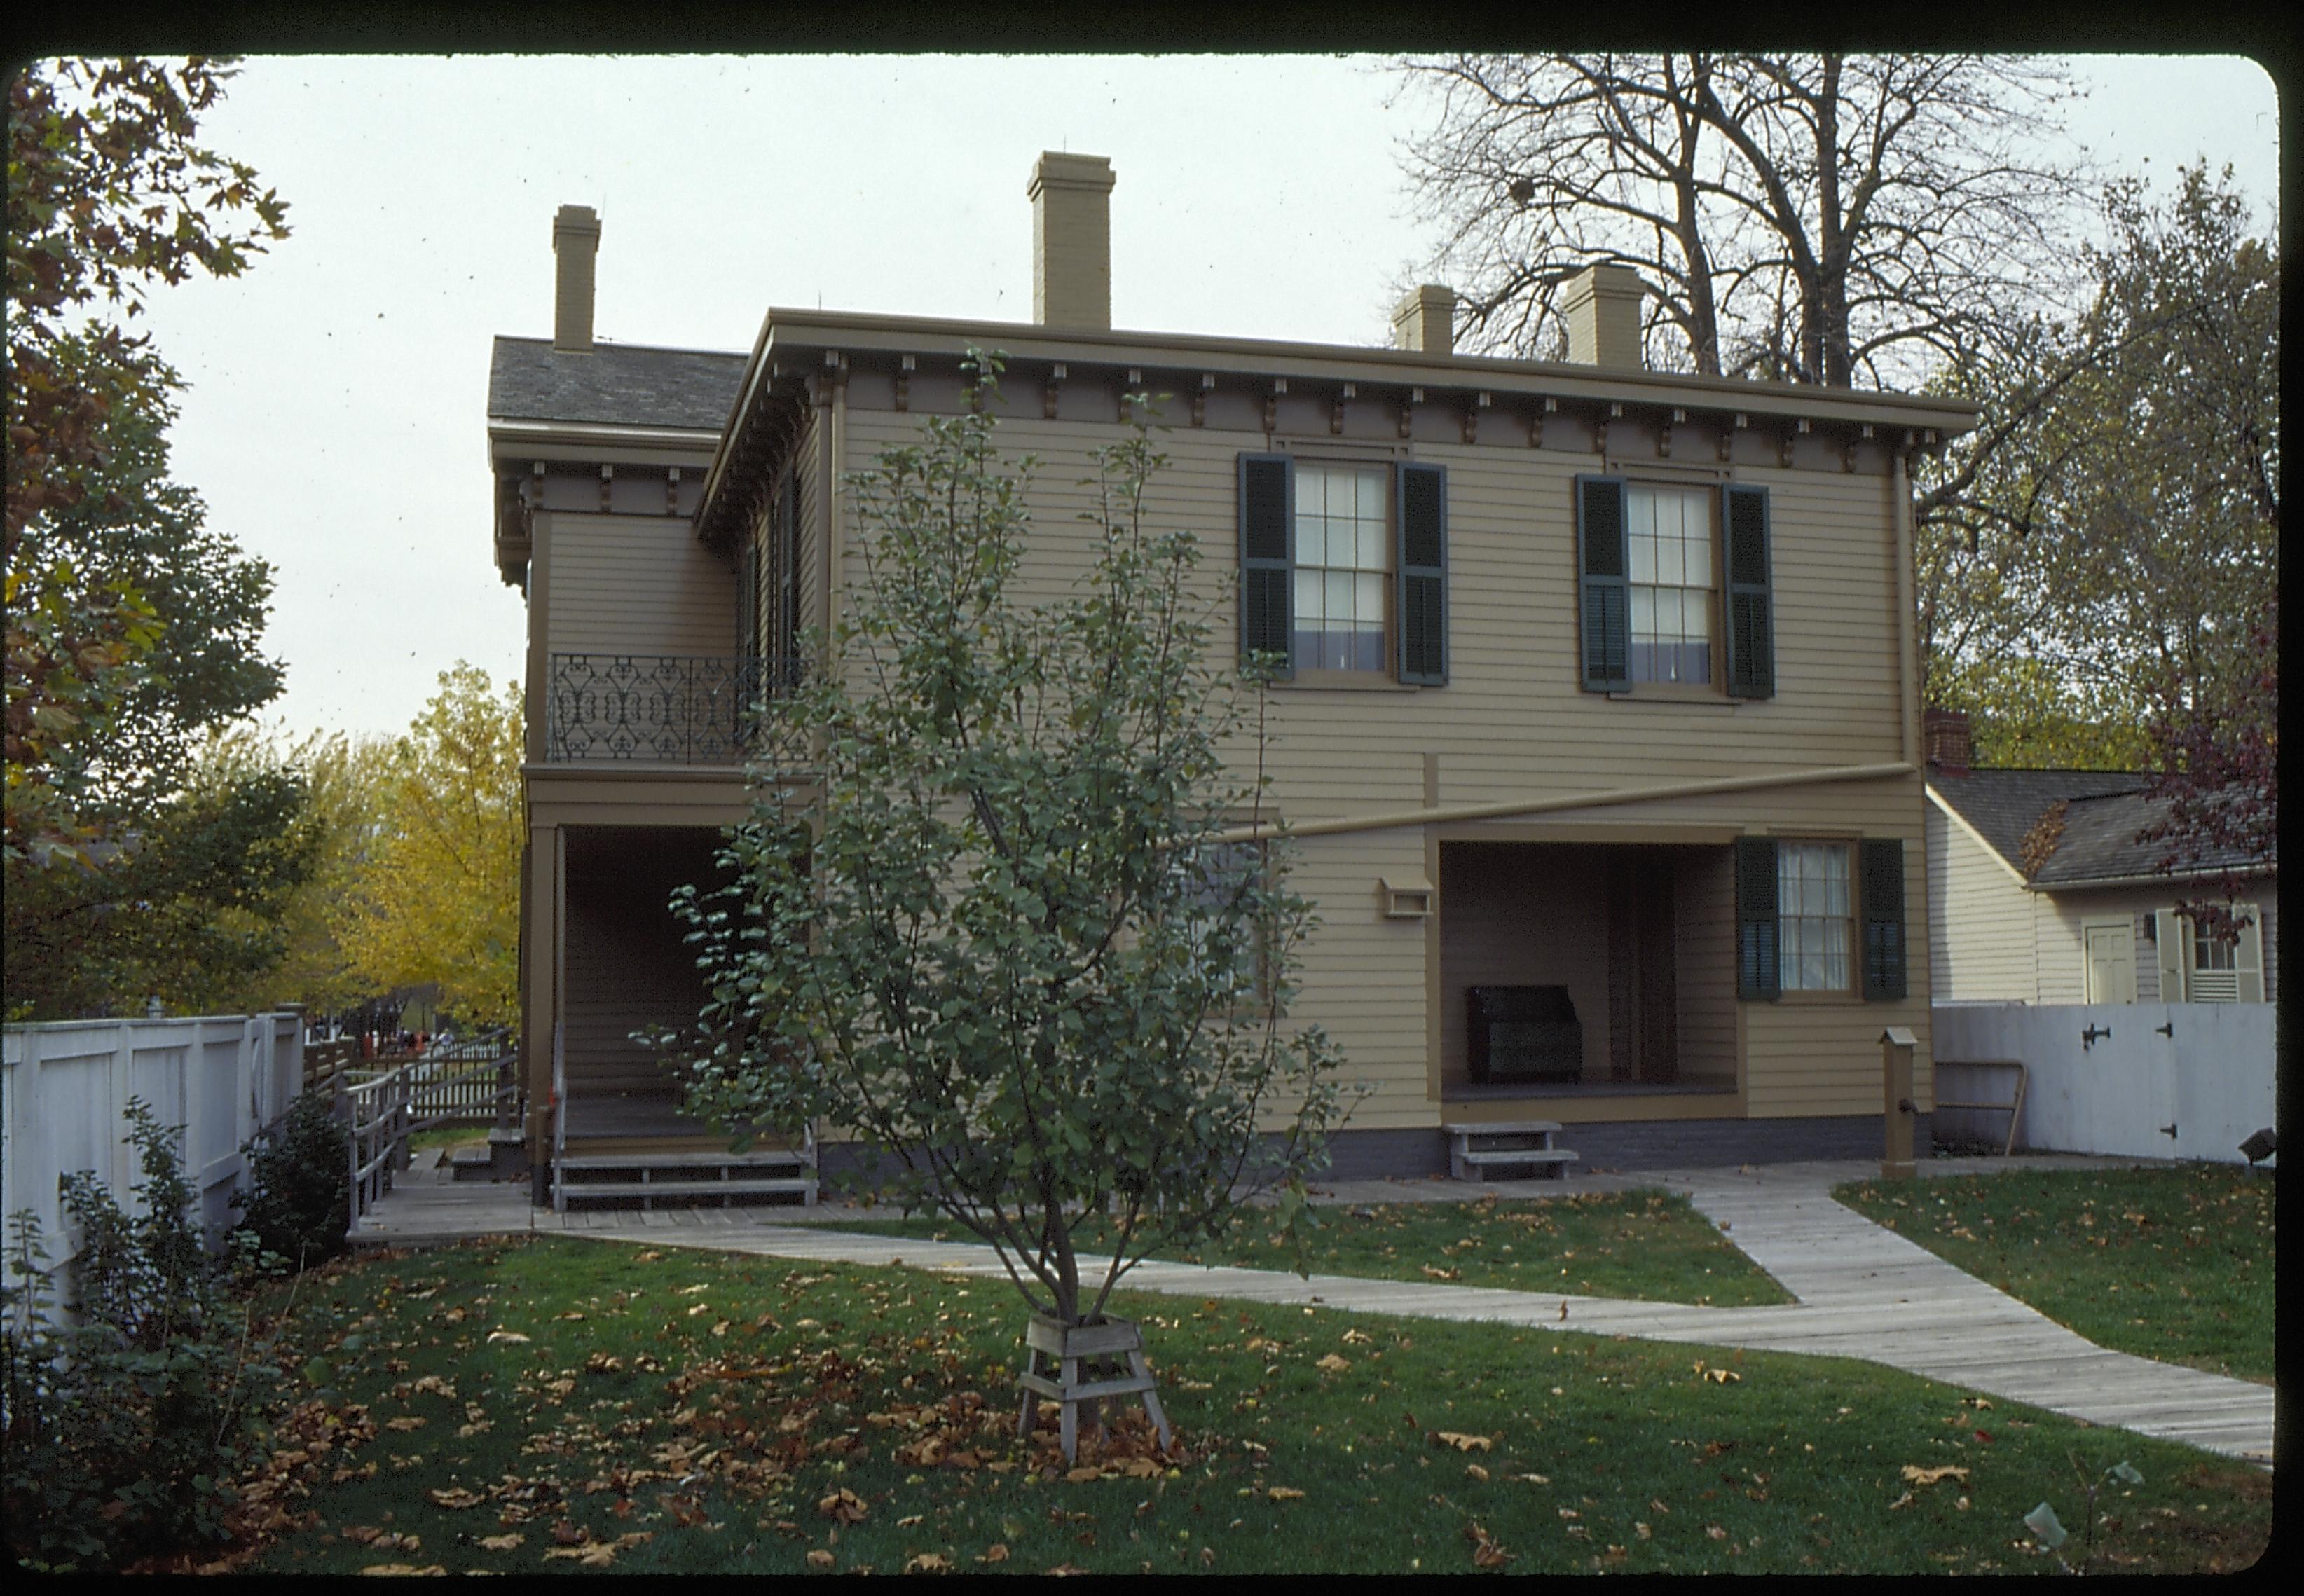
(336, 419)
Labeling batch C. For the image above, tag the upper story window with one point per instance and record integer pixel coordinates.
(1672, 539)
(1343, 555)
(1343, 568)
(1668, 577)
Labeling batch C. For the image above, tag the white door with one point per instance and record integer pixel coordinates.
(2111, 953)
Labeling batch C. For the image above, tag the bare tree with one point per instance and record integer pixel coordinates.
(1829, 219)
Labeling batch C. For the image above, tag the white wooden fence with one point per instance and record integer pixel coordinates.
(63, 1099)
(2154, 1080)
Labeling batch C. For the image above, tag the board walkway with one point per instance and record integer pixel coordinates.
(1864, 1292)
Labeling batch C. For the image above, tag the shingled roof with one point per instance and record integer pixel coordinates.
(2104, 811)
(615, 384)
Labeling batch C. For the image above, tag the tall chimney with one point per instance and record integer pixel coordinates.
(1602, 306)
(575, 239)
(1425, 319)
(1944, 735)
(1071, 240)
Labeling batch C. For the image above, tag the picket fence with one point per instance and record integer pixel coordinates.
(65, 1088)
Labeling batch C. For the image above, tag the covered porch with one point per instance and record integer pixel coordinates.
(1592, 975)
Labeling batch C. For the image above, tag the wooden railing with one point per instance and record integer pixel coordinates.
(383, 1104)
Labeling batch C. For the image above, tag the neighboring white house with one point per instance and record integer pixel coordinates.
(2092, 920)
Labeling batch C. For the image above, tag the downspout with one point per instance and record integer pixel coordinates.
(1586, 800)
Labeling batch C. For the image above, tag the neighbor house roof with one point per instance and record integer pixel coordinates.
(612, 384)
(2105, 812)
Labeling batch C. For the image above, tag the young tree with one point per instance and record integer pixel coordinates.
(2219, 769)
(107, 194)
(439, 898)
(990, 915)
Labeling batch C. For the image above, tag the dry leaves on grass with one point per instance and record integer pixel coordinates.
(501, 1542)
(994, 1553)
(1285, 1493)
(1334, 1364)
(511, 1337)
(928, 1562)
(1464, 1443)
(819, 1558)
(388, 1569)
(456, 1499)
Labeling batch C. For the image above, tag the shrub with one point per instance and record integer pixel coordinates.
(299, 1184)
(126, 1424)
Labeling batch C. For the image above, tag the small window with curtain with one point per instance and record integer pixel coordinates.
(1343, 563)
(1671, 540)
(1815, 915)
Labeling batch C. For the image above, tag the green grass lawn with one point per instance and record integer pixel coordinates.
(560, 1405)
(2174, 1263)
(1643, 1244)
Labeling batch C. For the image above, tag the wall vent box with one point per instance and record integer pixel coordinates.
(1522, 1036)
(1406, 900)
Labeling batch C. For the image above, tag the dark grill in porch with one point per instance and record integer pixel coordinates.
(666, 709)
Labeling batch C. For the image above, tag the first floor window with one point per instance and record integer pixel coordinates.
(2215, 977)
(1220, 881)
(1670, 541)
(1344, 542)
(1813, 913)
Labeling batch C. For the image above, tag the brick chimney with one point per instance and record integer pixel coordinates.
(1425, 319)
(1071, 240)
(1944, 733)
(575, 239)
(1602, 306)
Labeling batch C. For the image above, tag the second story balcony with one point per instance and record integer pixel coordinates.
(657, 709)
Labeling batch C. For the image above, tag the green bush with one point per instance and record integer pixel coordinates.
(126, 1423)
(300, 1183)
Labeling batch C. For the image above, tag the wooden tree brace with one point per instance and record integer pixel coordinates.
(1084, 1363)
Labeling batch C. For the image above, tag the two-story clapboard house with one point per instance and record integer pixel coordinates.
(1601, 731)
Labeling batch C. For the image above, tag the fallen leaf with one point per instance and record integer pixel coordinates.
(513, 1337)
(404, 1424)
(1353, 1338)
(994, 1553)
(501, 1542)
(1467, 1443)
(650, 1256)
(927, 1562)
(390, 1568)
(1477, 1472)
(361, 1533)
(456, 1497)
(1334, 1364)
(1285, 1493)
(819, 1558)
(1904, 1500)
(844, 1506)
(1929, 1477)
(1715, 1532)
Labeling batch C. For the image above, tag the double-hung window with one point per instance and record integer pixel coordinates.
(1672, 599)
(1814, 915)
(1673, 587)
(1814, 909)
(1224, 902)
(1343, 568)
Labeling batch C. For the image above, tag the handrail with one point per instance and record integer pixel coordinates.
(2015, 1109)
(379, 1113)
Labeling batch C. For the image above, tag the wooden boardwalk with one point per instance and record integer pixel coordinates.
(1864, 1292)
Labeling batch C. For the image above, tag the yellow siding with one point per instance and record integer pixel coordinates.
(1515, 724)
(637, 585)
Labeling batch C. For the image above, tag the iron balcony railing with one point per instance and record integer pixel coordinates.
(667, 709)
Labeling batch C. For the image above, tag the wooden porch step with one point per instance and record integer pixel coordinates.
(1473, 1148)
(757, 1159)
(804, 1185)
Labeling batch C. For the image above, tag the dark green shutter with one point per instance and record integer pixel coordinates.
(748, 601)
(1750, 608)
(1604, 591)
(1757, 970)
(1267, 521)
(1884, 918)
(1424, 574)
